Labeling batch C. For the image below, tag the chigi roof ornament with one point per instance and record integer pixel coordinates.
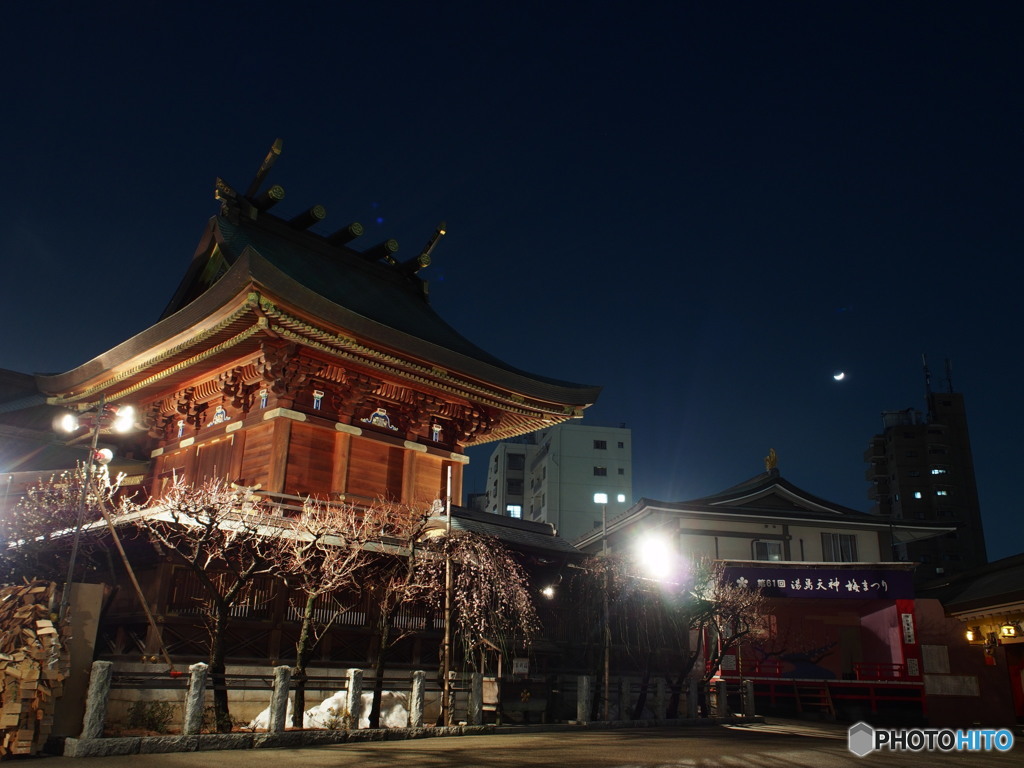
(251, 205)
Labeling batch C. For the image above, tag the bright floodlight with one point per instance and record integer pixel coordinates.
(125, 419)
(600, 498)
(548, 592)
(656, 557)
(68, 422)
(622, 498)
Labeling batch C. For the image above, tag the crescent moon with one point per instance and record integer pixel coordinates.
(839, 375)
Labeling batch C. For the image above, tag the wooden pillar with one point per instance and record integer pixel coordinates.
(342, 449)
(279, 455)
(237, 451)
(456, 481)
(410, 466)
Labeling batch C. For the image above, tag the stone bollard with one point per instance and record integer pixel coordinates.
(584, 697)
(660, 698)
(194, 699)
(354, 697)
(475, 712)
(747, 694)
(96, 701)
(279, 699)
(419, 678)
(721, 699)
(692, 695)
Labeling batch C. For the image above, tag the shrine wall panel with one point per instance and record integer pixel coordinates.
(375, 470)
(429, 481)
(310, 460)
(168, 468)
(213, 460)
(257, 455)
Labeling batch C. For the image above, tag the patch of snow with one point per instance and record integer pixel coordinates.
(394, 712)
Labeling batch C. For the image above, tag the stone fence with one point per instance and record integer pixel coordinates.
(92, 743)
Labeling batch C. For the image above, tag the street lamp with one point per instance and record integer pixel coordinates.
(656, 557)
(106, 417)
(602, 499)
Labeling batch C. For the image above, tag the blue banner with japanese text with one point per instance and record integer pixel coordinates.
(823, 582)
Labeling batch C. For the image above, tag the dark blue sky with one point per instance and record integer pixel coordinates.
(707, 208)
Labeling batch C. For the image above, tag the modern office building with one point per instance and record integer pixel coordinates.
(552, 476)
(921, 468)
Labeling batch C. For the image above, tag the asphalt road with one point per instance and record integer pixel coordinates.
(766, 746)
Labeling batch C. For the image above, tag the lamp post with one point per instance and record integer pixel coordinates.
(104, 417)
(446, 665)
(602, 499)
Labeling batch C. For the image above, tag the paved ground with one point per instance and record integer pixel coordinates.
(771, 745)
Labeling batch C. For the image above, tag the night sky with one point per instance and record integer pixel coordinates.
(706, 208)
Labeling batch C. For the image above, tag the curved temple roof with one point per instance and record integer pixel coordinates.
(246, 269)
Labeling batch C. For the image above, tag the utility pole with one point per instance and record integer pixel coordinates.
(446, 662)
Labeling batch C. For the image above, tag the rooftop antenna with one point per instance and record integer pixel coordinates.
(268, 162)
(949, 374)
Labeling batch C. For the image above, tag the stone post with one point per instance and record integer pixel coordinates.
(475, 711)
(692, 692)
(419, 678)
(584, 697)
(96, 701)
(354, 697)
(721, 699)
(279, 699)
(194, 699)
(748, 698)
(660, 698)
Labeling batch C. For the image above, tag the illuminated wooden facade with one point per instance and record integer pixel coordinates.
(290, 361)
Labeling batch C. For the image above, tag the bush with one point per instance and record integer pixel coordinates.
(151, 715)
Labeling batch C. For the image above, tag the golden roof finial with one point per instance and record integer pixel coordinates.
(771, 461)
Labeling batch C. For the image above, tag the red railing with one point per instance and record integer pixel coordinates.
(753, 668)
(872, 693)
(865, 671)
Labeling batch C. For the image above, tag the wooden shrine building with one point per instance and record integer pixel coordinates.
(298, 364)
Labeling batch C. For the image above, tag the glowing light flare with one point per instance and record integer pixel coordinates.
(656, 557)
(125, 419)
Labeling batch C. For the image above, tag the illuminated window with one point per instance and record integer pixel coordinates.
(939, 470)
(917, 494)
(768, 550)
(514, 510)
(839, 547)
(942, 493)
